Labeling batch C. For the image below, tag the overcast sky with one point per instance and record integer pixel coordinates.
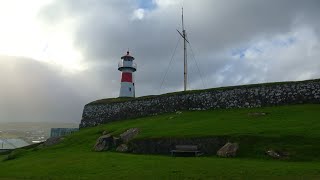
(58, 55)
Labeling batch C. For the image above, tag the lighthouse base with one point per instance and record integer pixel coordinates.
(127, 89)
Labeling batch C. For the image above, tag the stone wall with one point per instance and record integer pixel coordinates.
(100, 112)
(207, 145)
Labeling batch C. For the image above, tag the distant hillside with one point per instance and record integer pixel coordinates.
(34, 125)
(31, 131)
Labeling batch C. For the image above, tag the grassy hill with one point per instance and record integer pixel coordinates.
(294, 129)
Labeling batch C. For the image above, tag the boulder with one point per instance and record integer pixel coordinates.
(122, 148)
(228, 150)
(117, 141)
(104, 143)
(129, 134)
(105, 132)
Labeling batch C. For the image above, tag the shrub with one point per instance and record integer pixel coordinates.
(15, 154)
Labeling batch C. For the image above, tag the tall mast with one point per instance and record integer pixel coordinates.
(185, 41)
(184, 35)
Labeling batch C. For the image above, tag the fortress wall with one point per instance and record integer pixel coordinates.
(221, 98)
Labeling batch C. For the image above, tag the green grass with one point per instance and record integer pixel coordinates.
(302, 120)
(108, 165)
(295, 129)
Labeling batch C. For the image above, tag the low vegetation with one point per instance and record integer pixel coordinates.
(293, 129)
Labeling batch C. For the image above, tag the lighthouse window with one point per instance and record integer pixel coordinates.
(129, 89)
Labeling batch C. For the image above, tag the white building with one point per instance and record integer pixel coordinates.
(127, 67)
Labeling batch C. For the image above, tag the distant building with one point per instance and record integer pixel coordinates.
(8, 144)
(57, 132)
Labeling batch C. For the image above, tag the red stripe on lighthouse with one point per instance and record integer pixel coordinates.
(126, 77)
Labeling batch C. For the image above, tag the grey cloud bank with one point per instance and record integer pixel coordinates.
(103, 30)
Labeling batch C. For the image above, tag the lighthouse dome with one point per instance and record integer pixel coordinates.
(127, 57)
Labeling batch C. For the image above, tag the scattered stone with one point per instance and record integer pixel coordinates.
(273, 154)
(122, 148)
(104, 143)
(178, 112)
(277, 154)
(197, 109)
(129, 134)
(52, 141)
(228, 150)
(257, 114)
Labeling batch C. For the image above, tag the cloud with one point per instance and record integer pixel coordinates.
(138, 14)
(35, 91)
(290, 56)
(234, 42)
(213, 27)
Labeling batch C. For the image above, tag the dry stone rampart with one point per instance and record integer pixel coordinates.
(250, 96)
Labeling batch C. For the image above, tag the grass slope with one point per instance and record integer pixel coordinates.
(294, 129)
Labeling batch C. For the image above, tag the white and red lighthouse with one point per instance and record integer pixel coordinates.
(127, 67)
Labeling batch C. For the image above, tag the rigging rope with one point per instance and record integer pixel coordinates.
(174, 52)
(204, 85)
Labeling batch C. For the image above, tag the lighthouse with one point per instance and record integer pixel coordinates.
(127, 67)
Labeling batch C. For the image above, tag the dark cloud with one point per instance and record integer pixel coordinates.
(104, 30)
(36, 91)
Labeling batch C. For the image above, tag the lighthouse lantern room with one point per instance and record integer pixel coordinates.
(127, 67)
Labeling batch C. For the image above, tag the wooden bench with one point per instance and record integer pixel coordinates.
(186, 149)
